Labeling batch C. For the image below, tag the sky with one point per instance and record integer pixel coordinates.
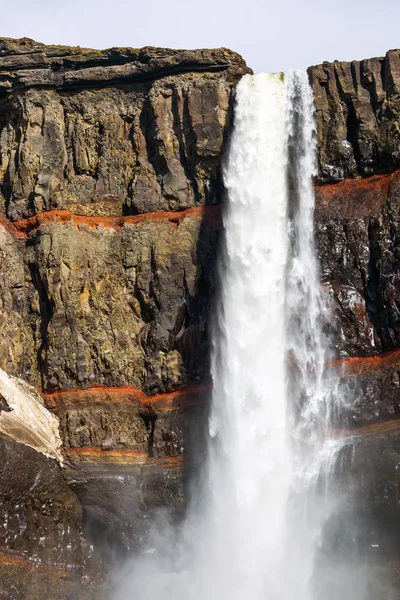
(271, 35)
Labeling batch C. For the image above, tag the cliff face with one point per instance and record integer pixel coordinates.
(110, 198)
(357, 233)
(358, 110)
(110, 177)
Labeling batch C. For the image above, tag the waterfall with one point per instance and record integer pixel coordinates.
(271, 408)
(250, 459)
(256, 526)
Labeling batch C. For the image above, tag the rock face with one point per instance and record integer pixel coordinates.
(358, 111)
(110, 186)
(357, 234)
(108, 133)
(110, 214)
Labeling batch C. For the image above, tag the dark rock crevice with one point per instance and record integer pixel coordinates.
(46, 311)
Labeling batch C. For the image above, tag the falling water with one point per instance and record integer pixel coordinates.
(271, 407)
(256, 527)
(250, 469)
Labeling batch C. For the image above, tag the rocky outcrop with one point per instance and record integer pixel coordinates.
(115, 303)
(126, 454)
(358, 111)
(27, 64)
(356, 233)
(110, 186)
(42, 549)
(116, 132)
(357, 226)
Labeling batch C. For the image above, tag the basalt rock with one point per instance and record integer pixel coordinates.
(115, 132)
(110, 186)
(358, 116)
(119, 307)
(42, 547)
(357, 235)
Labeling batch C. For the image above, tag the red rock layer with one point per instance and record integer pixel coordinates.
(356, 197)
(22, 228)
(354, 366)
(391, 426)
(124, 456)
(123, 395)
(349, 197)
(13, 557)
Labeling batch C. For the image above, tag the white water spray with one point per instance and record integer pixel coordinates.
(250, 461)
(255, 529)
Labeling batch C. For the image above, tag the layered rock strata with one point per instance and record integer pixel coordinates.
(357, 222)
(358, 111)
(110, 181)
(111, 193)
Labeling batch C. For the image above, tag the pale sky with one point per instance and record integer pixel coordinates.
(272, 35)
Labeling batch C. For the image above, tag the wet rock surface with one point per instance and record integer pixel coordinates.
(357, 235)
(42, 546)
(357, 232)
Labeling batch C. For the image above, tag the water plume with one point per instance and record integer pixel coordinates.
(256, 522)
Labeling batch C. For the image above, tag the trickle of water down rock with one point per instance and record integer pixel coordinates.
(255, 525)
